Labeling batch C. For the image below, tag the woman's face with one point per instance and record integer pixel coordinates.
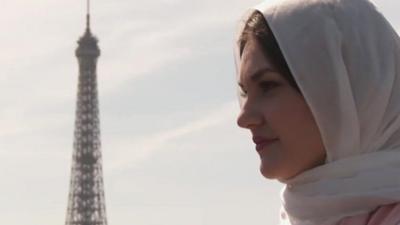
(273, 110)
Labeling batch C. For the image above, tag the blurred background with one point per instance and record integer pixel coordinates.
(172, 153)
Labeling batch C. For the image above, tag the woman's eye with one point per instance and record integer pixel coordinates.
(242, 93)
(267, 85)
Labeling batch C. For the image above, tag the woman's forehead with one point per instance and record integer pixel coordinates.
(253, 62)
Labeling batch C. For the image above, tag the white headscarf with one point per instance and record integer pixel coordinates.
(345, 58)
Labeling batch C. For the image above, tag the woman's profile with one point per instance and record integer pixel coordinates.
(319, 84)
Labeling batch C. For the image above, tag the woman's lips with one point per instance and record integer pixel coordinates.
(259, 147)
(262, 142)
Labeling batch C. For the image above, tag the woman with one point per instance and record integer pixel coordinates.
(319, 88)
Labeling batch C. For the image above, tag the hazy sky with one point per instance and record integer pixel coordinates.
(172, 153)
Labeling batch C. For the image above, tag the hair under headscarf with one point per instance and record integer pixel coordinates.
(345, 58)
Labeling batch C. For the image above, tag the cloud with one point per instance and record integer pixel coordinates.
(127, 152)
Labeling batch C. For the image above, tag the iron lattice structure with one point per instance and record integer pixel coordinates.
(86, 204)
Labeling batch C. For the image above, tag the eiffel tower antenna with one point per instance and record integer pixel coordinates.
(88, 14)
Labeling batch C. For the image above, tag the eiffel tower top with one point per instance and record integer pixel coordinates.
(87, 44)
(88, 15)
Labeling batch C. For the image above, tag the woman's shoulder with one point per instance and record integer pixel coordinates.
(383, 215)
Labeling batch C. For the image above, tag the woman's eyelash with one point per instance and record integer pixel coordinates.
(267, 85)
(242, 92)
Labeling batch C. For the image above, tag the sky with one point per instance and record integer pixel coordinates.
(172, 152)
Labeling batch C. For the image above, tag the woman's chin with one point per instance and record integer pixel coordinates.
(274, 172)
(268, 173)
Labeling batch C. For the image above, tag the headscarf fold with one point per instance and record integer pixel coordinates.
(345, 58)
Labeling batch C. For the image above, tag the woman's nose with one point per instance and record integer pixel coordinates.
(249, 117)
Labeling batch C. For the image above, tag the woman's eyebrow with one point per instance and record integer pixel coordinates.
(259, 73)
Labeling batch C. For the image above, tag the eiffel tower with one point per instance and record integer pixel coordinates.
(86, 204)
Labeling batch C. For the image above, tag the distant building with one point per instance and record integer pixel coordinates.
(86, 204)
